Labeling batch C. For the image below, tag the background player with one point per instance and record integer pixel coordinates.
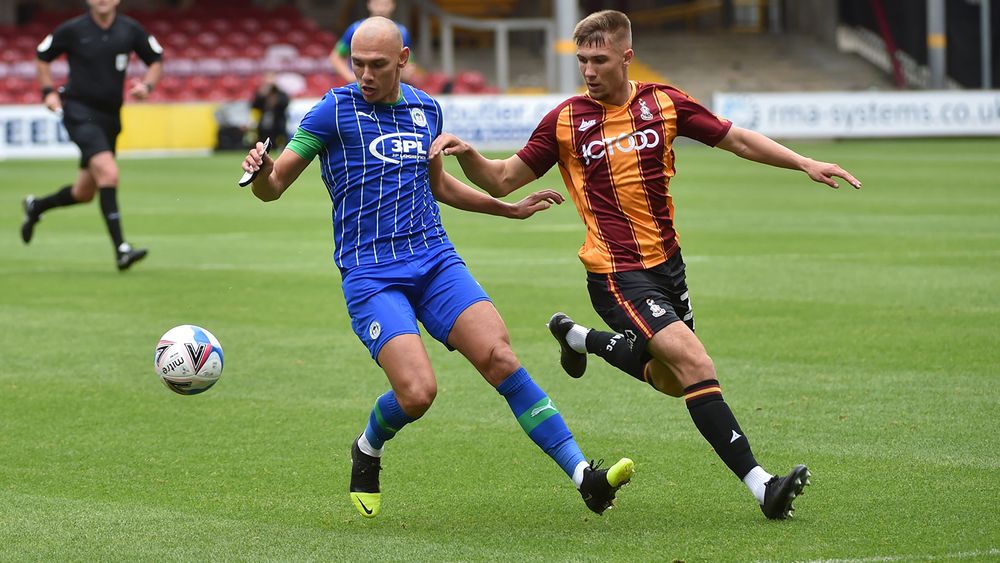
(614, 150)
(340, 56)
(398, 265)
(98, 45)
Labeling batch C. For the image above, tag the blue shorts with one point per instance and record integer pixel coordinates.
(387, 300)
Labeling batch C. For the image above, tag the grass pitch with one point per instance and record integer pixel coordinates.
(852, 331)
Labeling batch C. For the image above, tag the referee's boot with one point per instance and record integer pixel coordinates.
(365, 493)
(30, 218)
(779, 493)
(574, 363)
(600, 485)
(127, 256)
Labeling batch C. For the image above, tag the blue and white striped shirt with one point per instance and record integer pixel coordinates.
(374, 164)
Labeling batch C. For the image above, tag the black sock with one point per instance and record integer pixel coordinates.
(717, 424)
(616, 351)
(60, 198)
(109, 207)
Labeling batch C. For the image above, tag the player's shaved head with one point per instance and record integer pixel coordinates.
(377, 34)
(378, 57)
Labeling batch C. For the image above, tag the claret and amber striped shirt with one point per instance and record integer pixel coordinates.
(617, 162)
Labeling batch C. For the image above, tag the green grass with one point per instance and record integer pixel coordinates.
(854, 331)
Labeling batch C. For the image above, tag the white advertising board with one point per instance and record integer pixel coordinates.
(487, 122)
(863, 114)
(31, 131)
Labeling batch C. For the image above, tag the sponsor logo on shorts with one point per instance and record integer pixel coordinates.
(630, 338)
(655, 309)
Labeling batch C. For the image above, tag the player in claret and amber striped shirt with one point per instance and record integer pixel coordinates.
(614, 149)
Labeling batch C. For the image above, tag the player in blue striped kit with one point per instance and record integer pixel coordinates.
(398, 266)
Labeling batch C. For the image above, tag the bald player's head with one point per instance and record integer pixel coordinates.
(378, 57)
(377, 33)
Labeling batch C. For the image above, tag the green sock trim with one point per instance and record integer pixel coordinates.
(537, 414)
(381, 421)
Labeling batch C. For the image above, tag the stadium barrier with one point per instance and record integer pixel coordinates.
(497, 122)
(31, 131)
(806, 115)
(490, 122)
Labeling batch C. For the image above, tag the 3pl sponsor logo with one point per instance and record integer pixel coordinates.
(397, 147)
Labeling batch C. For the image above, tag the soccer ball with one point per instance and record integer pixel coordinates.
(188, 359)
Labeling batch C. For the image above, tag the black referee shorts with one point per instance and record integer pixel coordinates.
(91, 129)
(640, 303)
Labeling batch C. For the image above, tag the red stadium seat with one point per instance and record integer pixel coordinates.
(315, 50)
(189, 26)
(249, 25)
(207, 39)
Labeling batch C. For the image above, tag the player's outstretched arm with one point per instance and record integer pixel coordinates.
(451, 191)
(497, 177)
(274, 176)
(759, 148)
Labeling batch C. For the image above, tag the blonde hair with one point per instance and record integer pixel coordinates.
(606, 26)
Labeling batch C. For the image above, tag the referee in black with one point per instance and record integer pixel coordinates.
(97, 44)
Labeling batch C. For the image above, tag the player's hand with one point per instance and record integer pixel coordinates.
(447, 144)
(53, 102)
(825, 172)
(535, 202)
(139, 90)
(258, 159)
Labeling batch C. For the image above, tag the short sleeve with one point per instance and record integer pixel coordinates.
(440, 120)
(695, 121)
(55, 44)
(146, 46)
(542, 150)
(321, 120)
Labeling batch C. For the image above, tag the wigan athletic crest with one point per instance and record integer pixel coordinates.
(419, 119)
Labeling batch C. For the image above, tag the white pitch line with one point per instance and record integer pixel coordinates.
(879, 559)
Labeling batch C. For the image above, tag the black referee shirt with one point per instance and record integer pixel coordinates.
(99, 57)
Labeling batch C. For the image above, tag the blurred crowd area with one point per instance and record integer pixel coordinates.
(225, 50)
(216, 51)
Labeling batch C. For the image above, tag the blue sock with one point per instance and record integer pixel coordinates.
(386, 419)
(540, 420)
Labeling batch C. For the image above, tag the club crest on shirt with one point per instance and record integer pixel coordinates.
(644, 112)
(419, 119)
(121, 62)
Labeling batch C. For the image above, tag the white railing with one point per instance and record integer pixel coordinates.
(869, 46)
(500, 28)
